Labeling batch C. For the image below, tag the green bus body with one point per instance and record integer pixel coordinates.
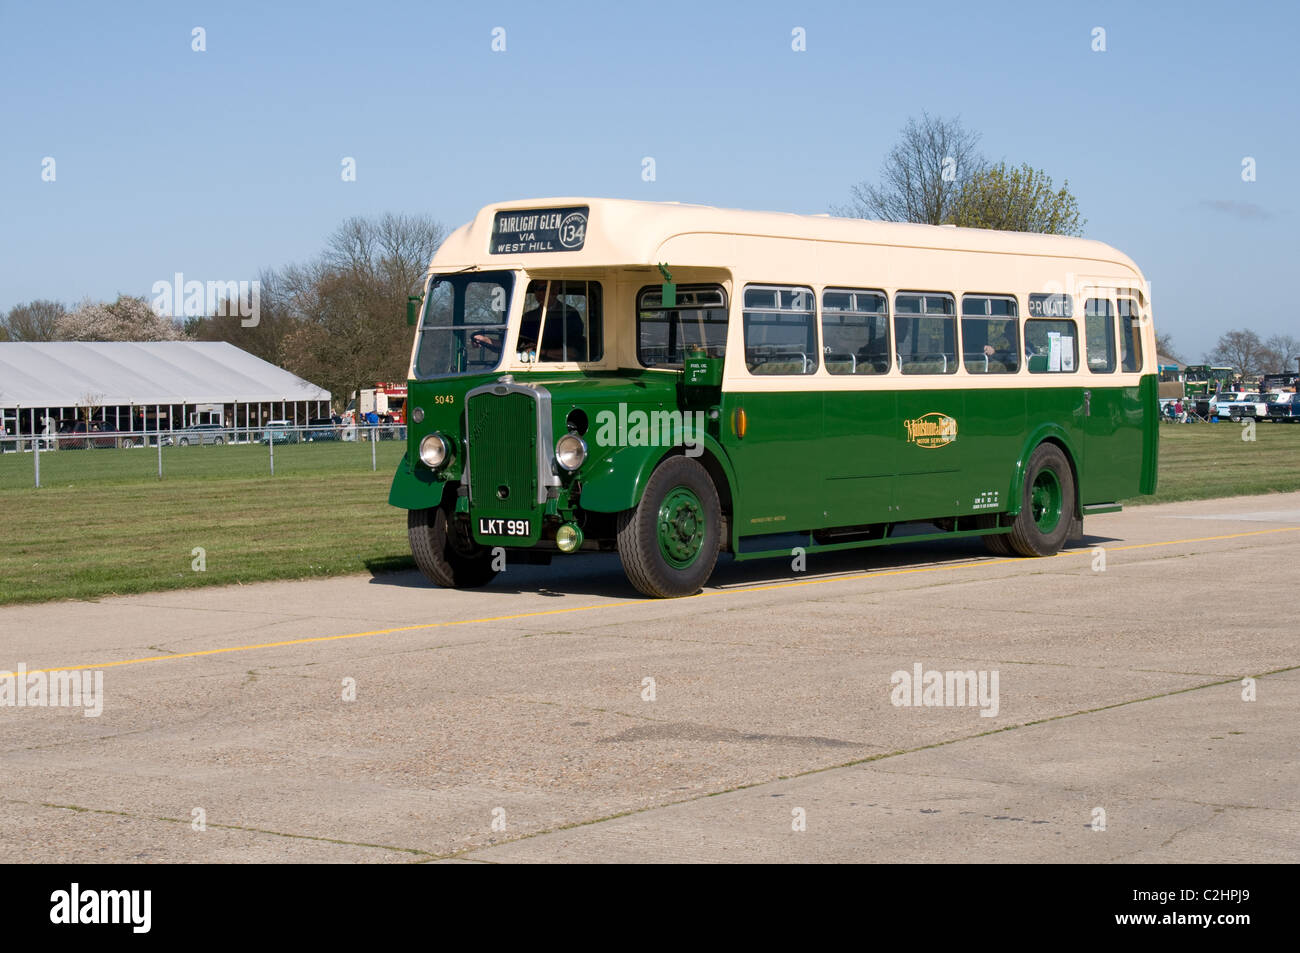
(811, 461)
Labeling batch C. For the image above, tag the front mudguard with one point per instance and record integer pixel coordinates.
(415, 488)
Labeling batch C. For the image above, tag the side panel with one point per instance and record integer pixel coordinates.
(859, 456)
(777, 461)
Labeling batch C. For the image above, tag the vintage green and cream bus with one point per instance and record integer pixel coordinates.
(669, 382)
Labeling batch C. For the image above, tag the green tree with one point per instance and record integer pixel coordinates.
(1020, 199)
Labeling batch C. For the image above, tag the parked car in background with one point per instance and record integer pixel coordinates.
(1238, 405)
(200, 434)
(81, 435)
(1285, 407)
(323, 428)
(279, 431)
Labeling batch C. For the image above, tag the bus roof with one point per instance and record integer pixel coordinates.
(627, 232)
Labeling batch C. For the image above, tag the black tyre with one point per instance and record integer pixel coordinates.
(218, 441)
(1047, 504)
(999, 545)
(669, 542)
(446, 555)
(183, 442)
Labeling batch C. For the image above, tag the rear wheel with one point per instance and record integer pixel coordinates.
(669, 541)
(218, 441)
(1046, 505)
(445, 554)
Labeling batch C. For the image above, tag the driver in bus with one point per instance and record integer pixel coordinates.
(564, 326)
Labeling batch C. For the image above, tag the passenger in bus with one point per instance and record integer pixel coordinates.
(1006, 357)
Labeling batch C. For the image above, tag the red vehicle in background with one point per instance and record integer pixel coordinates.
(387, 401)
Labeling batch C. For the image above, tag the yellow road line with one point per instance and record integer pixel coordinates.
(637, 602)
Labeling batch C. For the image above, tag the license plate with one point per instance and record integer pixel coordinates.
(504, 527)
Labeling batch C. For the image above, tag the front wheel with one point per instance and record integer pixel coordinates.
(1046, 505)
(669, 541)
(446, 555)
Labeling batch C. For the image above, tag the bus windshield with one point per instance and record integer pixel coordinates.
(463, 315)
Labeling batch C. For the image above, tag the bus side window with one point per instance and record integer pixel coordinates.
(925, 332)
(1130, 334)
(1051, 346)
(696, 324)
(855, 331)
(1101, 335)
(780, 330)
(990, 334)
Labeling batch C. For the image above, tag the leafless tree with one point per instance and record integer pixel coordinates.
(1287, 349)
(32, 321)
(1244, 351)
(1165, 347)
(922, 175)
(349, 305)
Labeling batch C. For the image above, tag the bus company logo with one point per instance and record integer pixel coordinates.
(931, 430)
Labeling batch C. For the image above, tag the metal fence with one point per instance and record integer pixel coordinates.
(214, 446)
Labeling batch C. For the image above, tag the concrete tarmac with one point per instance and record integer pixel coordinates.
(1147, 709)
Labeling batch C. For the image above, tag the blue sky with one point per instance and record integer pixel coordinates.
(222, 162)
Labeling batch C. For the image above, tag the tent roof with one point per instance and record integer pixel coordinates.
(66, 373)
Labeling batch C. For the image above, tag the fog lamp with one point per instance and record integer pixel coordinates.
(568, 538)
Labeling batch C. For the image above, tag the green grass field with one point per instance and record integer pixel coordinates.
(1202, 461)
(103, 523)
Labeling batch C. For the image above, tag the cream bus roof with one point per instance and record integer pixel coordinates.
(625, 232)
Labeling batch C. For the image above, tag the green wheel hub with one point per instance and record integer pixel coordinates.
(681, 527)
(1045, 500)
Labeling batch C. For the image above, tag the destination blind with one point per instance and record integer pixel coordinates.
(531, 231)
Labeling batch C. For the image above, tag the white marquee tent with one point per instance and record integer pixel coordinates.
(134, 384)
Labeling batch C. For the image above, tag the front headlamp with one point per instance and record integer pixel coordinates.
(434, 451)
(570, 451)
